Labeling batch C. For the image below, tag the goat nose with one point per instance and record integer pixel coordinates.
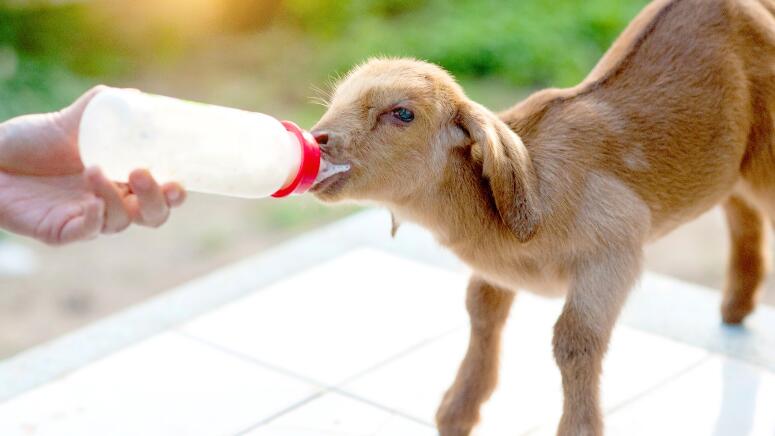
(321, 136)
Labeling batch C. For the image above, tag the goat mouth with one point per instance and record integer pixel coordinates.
(331, 174)
(329, 168)
(330, 184)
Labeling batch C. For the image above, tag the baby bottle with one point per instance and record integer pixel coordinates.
(206, 148)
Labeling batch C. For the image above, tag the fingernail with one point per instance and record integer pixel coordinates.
(142, 182)
(92, 172)
(173, 195)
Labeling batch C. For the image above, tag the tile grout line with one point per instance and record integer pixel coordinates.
(250, 359)
(282, 412)
(382, 407)
(411, 349)
(664, 382)
(736, 358)
(321, 387)
(660, 384)
(324, 388)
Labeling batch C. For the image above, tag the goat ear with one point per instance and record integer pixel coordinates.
(507, 167)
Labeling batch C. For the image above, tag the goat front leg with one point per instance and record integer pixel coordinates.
(599, 287)
(488, 308)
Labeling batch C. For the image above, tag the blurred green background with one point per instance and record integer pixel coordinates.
(256, 53)
(265, 55)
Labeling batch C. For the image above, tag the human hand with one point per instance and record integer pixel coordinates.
(46, 193)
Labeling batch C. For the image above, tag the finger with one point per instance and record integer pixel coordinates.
(93, 218)
(80, 104)
(123, 189)
(174, 194)
(152, 209)
(71, 115)
(86, 225)
(116, 215)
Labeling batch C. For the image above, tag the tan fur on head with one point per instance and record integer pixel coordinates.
(390, 160)
(406, 161)
(559, 193)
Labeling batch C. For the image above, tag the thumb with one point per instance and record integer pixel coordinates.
(70, 117)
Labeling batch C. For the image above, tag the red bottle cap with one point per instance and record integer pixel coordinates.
(310, 162)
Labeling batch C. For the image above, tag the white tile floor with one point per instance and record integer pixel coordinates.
(340, 318)
(167, 385)
(365, 345)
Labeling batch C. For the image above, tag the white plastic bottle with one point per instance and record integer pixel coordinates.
(206, 148)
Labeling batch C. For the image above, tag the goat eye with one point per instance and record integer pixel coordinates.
(403, 114)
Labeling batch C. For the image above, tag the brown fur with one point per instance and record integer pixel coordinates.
(559, 193)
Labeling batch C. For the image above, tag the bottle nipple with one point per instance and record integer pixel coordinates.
(328, 169)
